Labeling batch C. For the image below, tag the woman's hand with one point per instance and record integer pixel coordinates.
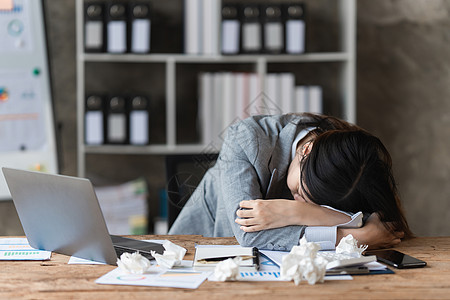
(256, 215)
(374, 234)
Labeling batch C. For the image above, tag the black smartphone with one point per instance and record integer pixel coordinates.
(397, 259)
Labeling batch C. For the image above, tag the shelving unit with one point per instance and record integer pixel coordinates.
(342, 63)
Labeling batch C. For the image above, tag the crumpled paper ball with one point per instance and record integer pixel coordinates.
(307, 249)
(173, 249)
(302, 263)
(314, 269)
(349, 245)
(172, 256)
(227, 270)
(133, 263)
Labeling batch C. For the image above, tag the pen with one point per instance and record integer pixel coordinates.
(216, 259)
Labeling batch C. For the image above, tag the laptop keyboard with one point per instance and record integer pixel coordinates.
(123, 244)
(120, 251)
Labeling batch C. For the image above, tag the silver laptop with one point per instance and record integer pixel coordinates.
(61, 214)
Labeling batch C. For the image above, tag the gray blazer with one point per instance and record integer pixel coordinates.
(256, 151)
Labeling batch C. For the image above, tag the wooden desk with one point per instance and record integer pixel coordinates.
(55, 279)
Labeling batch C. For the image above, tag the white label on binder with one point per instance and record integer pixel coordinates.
(273, 36)
(315, 99)
(117, 36)
(301, 99)
(295, 36)
(94, 35)
(116, 128)
(192, 21)
(251, 35)
(139, 127)
(94, 127)
(210, 26)
(287, 82)
(230, 36)
(140, 36)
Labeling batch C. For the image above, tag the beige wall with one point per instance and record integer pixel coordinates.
(403, 92)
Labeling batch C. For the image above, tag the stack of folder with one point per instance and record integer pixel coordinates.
(201, 24)
(117, 120)
(117, 27)
(226, 97)
(270, 28)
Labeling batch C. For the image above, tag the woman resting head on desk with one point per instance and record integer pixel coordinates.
(278, 177)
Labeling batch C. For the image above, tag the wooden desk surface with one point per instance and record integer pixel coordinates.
(55, 279)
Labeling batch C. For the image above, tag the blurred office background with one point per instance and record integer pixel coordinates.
(402, 96)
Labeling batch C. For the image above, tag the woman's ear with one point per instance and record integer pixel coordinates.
(306, 148)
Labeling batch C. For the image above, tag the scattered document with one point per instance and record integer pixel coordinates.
(82, 261)
(269, 271)
(180, 277)
(20, 249)
(277, 256)
(168, 278)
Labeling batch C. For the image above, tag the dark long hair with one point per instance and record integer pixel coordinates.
(351, 170)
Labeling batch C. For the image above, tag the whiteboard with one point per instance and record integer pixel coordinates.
(27, 131)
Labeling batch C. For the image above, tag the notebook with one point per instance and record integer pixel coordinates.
(62, 214)
(208, 256)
